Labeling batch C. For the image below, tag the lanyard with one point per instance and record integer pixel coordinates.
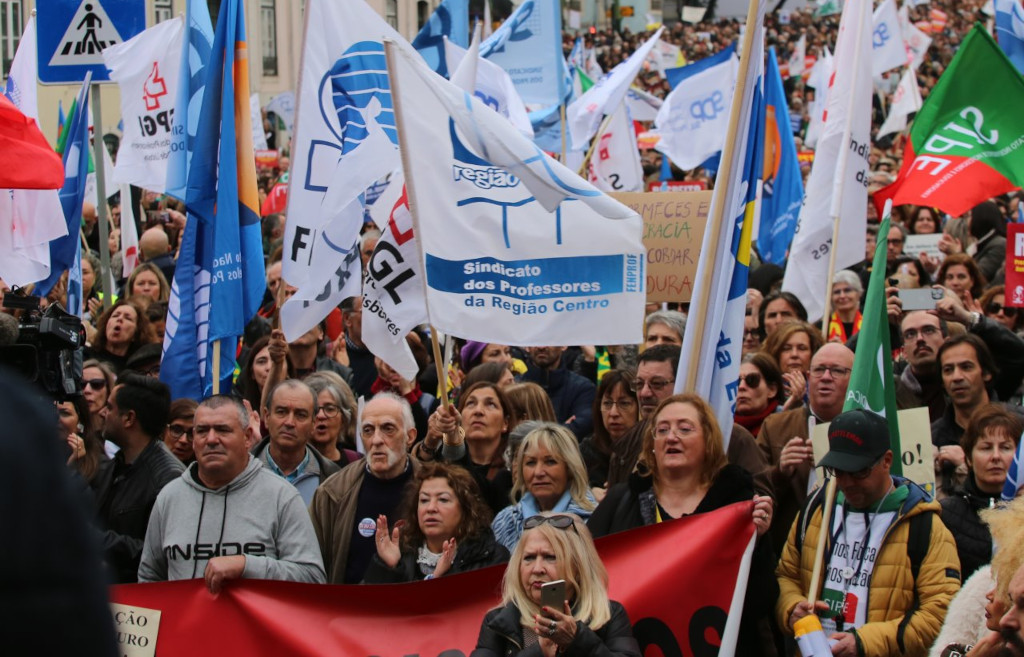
(849, 574)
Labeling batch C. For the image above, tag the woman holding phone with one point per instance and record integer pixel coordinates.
(556, 548)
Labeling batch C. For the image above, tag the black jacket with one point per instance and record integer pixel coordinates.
(571, 395)
(960, 515)
(631, 505)
(471, 554)
(502, 636)
(125, 495)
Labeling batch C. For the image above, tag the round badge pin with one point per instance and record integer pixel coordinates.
(847, 573)
(367, 527)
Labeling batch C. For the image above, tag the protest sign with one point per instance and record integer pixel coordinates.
(136, 629)
(1014, 266)
(914, 245)
(673, 231)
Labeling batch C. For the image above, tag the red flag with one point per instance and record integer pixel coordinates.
(21, 142)
(276, 201)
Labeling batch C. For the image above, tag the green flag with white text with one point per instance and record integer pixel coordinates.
(871, 383)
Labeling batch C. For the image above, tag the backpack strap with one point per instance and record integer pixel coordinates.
(918, 540)
(803, 518)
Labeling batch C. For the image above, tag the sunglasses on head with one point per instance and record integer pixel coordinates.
(752, 380)
(558, 522)
(95, 384)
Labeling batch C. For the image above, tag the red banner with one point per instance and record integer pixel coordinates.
(675, 579)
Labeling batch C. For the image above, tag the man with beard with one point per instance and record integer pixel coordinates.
(1011, 626)
(345, 508)
(920, 383)
(572, 396)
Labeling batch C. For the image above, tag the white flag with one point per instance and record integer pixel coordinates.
(259, 137)
(29, 218)
(584, 114)
(345, 141)
(836, 188)
(798, 60)
(694, 120)
(541, 256)
(916, 41)
(615, 164)
(393, 302)
(905, 101)
(818, 80)
(145, 68)
(493, 86)
(283, 105)
(642, 105)
(129, 234)
(888, 50)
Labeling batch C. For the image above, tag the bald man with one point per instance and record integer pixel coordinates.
(785, 437)
(155, 247)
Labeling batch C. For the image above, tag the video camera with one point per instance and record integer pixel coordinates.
(48, 346)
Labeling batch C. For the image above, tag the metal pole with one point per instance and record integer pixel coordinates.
(101, 196)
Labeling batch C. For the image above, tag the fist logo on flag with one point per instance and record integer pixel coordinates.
(153, 88)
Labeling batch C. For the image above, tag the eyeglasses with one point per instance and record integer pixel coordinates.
(753, 380)
(995, 309)
(843, 290)
(657, 385)
(859, 475)
(925, 332)
(330, 410)
(681, 432)
(621, 404)
(896, 240)
(560, 521)
(177, 431)
(751, 333)
(95, 384)
(818, 371)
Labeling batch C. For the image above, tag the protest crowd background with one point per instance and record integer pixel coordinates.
(319, 442)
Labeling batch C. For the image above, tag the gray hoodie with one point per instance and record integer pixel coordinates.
(258, 514)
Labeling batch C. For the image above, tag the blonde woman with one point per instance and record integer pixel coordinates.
(556, 547)
(548, 475)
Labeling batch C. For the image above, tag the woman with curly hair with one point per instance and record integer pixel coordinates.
(445, 529)
(120, 331)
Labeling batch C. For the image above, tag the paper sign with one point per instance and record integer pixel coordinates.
(929, 244)
(916, 451)
(136, 628)
(673, 231)
(266, 159)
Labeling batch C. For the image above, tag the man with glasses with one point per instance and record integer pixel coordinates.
(785, 438)
(655, 381)
(345, 508)
(891, 566)
(228, 517)
(919, 384)
(289, 415)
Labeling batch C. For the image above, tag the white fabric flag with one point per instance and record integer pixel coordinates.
(584, 114)
(642, 105)
(29, 218)
(493, 86)
(259, 137)
(590, 65)
(916, 41)
(91, 194)
(344, 142)
(694, 120)
(541, 256)
(905, 101)
(818, 80)
(145, 68)
(393, 302)
(615, 164)
(283, 105)
(129, 233)
(888, 50)
(836, 187)
(798, 60)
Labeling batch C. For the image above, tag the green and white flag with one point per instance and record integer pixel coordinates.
(871, 383)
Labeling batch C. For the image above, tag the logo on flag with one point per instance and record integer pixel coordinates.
(154, 88)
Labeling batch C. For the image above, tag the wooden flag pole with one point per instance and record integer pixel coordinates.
(590, 152)
(442, 366)
(216, 367)
(561, 119)
(718, 199)
(819, 552)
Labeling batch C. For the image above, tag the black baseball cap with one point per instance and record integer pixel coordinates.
(856, 440)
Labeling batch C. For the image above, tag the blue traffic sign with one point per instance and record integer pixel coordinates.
(73, 33)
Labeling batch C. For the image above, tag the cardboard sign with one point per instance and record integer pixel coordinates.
(136, 629)
(1014, 266)
(915, 452)
(928, 244)
(676, 186)
(673, 231)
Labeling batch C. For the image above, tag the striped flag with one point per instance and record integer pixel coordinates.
(1015, 476)
(718, 305)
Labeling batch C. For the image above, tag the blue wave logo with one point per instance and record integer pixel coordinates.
(358, 78)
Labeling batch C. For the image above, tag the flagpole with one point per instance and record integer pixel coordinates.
(593, 145)
(719, 198)
(819, 551)
(561, 120)
(839, 186)
(216, 367)
(101, 193)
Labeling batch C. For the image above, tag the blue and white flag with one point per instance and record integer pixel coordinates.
(345, 141)
(75, 303)
(493, 86)
(694, 119)
(195, 55)
(783, 185)
(72, 194)
(451, 20)
(713, 371)
(220, 279)
(887, 48)
(1010, 30)
(541, 256)
(529, 46)
(1015, 475)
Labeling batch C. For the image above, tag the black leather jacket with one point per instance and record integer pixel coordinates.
(125, 495)
(501, 635)
(471, 554)
(960, 515)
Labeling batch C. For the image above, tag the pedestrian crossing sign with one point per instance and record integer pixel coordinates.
(73, 33)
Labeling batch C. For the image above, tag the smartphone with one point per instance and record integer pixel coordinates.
(922, 298)
(552, 595)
